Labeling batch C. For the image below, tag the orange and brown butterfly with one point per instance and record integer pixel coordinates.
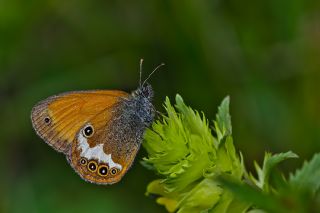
(99, 131)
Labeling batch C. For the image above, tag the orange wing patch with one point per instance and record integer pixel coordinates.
(58, 118)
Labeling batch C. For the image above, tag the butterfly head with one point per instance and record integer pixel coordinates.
(144, 91)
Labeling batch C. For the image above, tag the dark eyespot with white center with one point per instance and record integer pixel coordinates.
(114, 171)
(92, 166)
(83, 161)
(103, 170)
(88, 131)
(47, 120)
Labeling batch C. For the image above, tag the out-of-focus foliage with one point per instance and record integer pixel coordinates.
(299, 194)
(264, 54)
(202, 173)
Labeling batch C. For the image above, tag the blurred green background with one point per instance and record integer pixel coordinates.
(264, 54)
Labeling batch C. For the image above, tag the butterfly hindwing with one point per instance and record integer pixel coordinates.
(58, 118)
(106, 154)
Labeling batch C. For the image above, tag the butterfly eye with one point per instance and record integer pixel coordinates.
(83, 161)
(92, 166)
(88, 131)
(103, 170)
(47, 120)
(114, 171)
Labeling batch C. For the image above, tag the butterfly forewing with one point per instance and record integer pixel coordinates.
(57, 119)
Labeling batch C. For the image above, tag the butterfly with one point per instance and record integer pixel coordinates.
(99, 131)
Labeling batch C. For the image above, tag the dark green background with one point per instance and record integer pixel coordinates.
(264, 54)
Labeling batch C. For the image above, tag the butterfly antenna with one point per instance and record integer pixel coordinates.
(141, 62)
(162, 64)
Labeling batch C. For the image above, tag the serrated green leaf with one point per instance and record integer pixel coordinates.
(222, 124)
(202, 197)
(229, 204)
(183, 150)
(250, 195)
(166, 144)
(308, 177)
(169, 200)
(269, 163)
(228, 160)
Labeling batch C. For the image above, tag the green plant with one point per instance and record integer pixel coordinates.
(202, 172)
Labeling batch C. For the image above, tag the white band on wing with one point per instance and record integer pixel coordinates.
(95, 152)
